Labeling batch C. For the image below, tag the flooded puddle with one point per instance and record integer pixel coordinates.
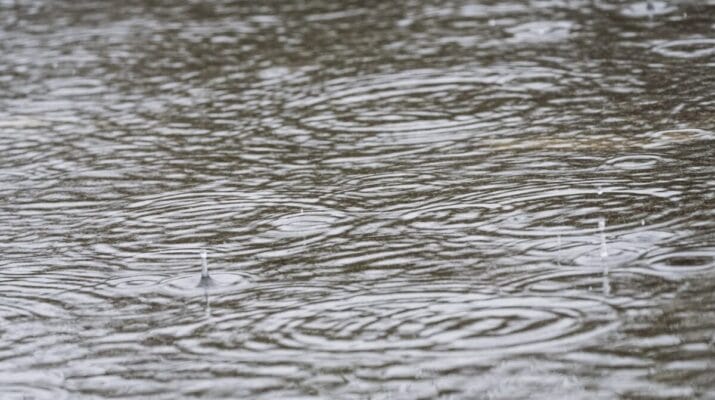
(438, 200)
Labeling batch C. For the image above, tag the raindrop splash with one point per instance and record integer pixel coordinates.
(651, 9)
(606, 285)
(206, 280)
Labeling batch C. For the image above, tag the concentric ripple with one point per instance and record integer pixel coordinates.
(403, 200)
(181, 285)
(437, 321)
(669, 137)
(681, 260)
(645, 9)
(260, 217)
(575, 210)
(222, 281)
(687, 48)
(180, 276)
(406, 108)
(636, 162)
(548, 209)
(541, 31)
(642, 9)
(46, 296)
(448, 217)
(302, 224)
(314, 223)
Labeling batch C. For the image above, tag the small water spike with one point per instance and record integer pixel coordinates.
(606, 285)
(650, 9)
(205, 268)
(206, 280)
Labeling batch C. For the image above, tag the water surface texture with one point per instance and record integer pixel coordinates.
(399, 200)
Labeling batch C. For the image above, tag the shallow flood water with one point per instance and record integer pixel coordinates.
(399, 200)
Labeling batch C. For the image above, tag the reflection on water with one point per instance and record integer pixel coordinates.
(430, 199)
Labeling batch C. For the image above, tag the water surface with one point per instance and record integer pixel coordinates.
(430, 199)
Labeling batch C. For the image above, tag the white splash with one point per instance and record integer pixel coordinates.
(205, 280)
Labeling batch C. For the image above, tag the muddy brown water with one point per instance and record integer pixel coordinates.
(399, 200)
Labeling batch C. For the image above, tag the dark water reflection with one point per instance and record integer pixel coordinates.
(454, 200)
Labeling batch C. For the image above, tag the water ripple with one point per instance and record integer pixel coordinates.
(636, 162)
(694, 260)
(401, 200)
(370, 107)
(400, 114)
(34, 385)
(687, 48)
(650, 8)
(548, 209)
(541, 31)
(398, 319)
(252, 219)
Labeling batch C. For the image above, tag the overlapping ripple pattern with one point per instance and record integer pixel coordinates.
(398, 200)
